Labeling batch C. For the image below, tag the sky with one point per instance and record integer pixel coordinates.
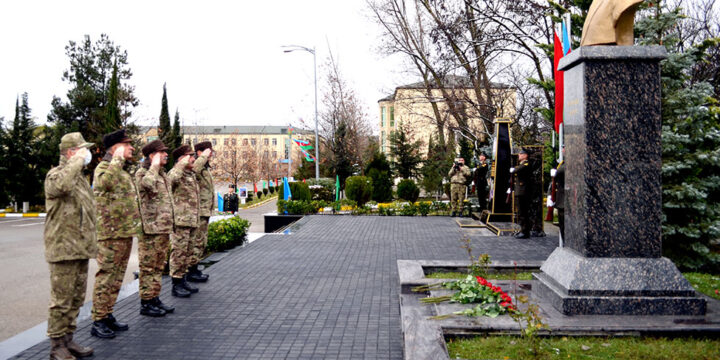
(223, 61)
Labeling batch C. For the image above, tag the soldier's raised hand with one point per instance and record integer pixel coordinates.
(207, 152)
(119, 152)
(80, 153)
(184, 161)
(155, 161)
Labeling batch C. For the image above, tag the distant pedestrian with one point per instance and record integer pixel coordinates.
(186, 202)
(118, 223)
(156, 211)
(523, 186)
(70, 240)
(459, 175)
(204, 154)
(480, 179)
(230, 200)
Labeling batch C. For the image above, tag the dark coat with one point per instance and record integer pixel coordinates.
(480, 178)
(523, 178)
(560, 187)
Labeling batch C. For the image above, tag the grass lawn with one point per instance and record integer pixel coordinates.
(707, 284)
(646, 348)
(501, 276)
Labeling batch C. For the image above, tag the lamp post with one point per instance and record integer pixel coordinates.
(291, 48)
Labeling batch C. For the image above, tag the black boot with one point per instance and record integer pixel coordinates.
(148, 308)
(159, 304)
(187, 285)
(101, 329)
(178, 289)
(521, 235)
(116, 325)
(195, 275)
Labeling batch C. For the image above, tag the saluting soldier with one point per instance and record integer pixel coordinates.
(156, 211)
(118, 222)
(459, 175)
(523, 179)
(69, 242)
(185, 196)
(480, 180)
(201, 168)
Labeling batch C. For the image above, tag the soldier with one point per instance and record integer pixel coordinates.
(185, 196)
(231, 200)
(480, 180)
(559, 201)
(459, 175)
(207, 204)
(523, 174)
(156, 211)
(118, 223)
(69, 242)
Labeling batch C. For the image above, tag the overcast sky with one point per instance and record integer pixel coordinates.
(222, 60)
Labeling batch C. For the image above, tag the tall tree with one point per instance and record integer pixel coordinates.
(405, 152)
(3, 165)
(164, 130)
(379, 170)
(23, 181)
(112, 117)
(176, 136)
(436, 166)
(690, 141)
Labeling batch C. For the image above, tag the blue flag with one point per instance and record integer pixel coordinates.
(221, 206)
(565, 39)
(286, 190)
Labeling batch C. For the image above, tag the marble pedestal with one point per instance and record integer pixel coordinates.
(611, 262)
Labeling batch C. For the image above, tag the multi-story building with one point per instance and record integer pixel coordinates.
(411, 105)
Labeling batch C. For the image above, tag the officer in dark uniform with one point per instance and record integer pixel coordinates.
(559, 201)
(480, 179)
(523, 179)
(230, 200)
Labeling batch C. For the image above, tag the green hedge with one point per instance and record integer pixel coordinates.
(300, 207)
(299, 191)
(226, 234)
(358, 189)
(407, 190)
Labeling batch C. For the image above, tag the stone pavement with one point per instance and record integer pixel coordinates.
(328, 290)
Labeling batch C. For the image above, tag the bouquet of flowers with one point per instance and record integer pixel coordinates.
(492, 300)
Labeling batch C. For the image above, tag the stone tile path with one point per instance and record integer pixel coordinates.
(328, 290)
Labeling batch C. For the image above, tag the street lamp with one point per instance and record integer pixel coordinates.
(291, 48)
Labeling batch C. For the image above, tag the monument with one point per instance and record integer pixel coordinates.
(611, 262)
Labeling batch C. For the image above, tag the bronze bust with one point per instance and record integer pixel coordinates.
(610, 22)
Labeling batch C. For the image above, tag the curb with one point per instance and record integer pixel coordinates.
(18, 215)
(260, 203)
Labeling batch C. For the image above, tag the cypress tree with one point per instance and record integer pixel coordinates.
(378, 169)
(177, 135)
(22, 181)
(3, 165)
(164, 131)
(112, 111)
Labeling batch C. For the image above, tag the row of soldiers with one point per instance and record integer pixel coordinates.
(163, 210)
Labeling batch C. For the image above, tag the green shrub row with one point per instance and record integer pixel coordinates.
(226, 234)
(299, 191)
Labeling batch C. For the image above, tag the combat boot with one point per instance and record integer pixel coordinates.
(195, 275)
(115, 325)
(521, 235)
(58, 350)
(178, 288)
(159, 304)
(77, 349)
(148, 308)
(101, 329)
(187, 285)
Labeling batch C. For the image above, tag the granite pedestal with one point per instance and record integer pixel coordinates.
(611, 262)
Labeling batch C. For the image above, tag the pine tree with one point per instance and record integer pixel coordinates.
(177, 136)
(436, 165)
(3, 165)
(690, 146)
(405, 153)
(164, 130)
(378, 169)
(112, 112)
(22, 180)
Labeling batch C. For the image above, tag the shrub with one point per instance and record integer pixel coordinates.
(250, 196)
(271, 189)
(388, 210)
(226, 234)
(361, 210)
(259, 195)
(299, 191)
(446, 189)
(408, 210)
(407, 190)
(327, 183)
(440, 207)
(382, 185)
(424, 208)
(358, 189)
(265, 191)
(319, 192)
(299, 207)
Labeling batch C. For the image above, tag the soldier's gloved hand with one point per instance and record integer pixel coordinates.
(184, 161)
(207, 152)
(553, 172)
(509, 191)
(80, 153)
(512, 170)
(155, 161)
(550, 202)
(119, 152)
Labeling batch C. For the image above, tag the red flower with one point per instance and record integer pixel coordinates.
(496, 289)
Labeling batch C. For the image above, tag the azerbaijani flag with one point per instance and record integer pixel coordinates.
(221, 205)
(559, 81)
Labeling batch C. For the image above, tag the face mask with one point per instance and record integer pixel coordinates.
(88, 157)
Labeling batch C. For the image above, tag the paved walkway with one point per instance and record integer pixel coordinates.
(328, 290)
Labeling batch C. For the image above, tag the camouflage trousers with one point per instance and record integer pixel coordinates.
(457, 197)
(68, 280)
(200, 240)
(112, 260)
(181, 252)
(152, 254)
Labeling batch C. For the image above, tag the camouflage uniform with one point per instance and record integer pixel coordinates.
(119, 221)
(156, 211)
(207, 204)
(458, 179)
(69, 242)
(185, 196)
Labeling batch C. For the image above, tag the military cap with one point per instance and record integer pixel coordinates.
(203, 145)
(523, 151)
(182, 150)
(73, 140)
(115, 137)
(153, 146)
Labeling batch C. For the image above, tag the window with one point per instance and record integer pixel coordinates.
(245, 141)
(195, 141)
(274, 142)
(382, 117)
(214, 141)
(392, 116)
(266, 142)
(253, 142)
(225, 141)
(188, 141)
(382, 140)
(274, 154)
(266, 154)
(234, 141)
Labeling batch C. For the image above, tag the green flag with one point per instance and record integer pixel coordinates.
(337, 188)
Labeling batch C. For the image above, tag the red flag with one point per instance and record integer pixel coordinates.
(255, 186)
(303, 180)
(559, 82)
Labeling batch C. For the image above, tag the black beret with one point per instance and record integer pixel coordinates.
(182, 150)
(153, 146)
(203, 145)
(115, 137)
